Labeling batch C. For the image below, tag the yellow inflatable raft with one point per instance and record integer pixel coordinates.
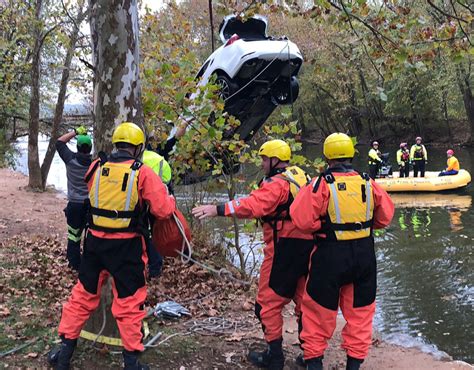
(431, 182)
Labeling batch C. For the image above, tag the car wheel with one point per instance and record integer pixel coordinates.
(286, 91)
(226, 87)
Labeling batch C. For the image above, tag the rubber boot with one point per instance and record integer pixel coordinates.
(60, 357)
(130, 361)
(353, 363)
(273, 358)
(315, 363)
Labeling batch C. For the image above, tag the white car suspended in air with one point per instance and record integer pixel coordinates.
(256, 73)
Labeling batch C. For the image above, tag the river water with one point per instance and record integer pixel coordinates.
(425, 261)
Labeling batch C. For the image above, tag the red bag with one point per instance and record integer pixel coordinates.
(167, 237)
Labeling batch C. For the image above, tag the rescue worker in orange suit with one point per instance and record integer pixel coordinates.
(452, 165)
(419, 157)
(403, 160)
(119, 188)
(287, 250)
(341, 207)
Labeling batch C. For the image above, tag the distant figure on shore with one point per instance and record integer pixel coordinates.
(453, 165)
(374, 160)
(403, 160)
(419, 157)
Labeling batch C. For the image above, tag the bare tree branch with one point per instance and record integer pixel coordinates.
(459, 23)
(87, 64)
(465, 6)
(374, 31)
(47, 33)
(363, 43)
(430, 2)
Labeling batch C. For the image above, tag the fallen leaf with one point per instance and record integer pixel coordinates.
(4, 311)
(228, 357)
(235, 337)
(248, 305)
(32, 355)
(212, 312)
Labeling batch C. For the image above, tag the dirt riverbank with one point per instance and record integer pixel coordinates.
(32, 241)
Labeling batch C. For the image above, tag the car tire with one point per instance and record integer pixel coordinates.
(286, 91)
(227, 88)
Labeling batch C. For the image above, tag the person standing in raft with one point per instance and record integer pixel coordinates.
(374, 160)
(453, 165)
(419, 157)
(403, 160)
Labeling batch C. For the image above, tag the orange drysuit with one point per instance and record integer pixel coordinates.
(286, 252)
(121, 255)
(342, 273)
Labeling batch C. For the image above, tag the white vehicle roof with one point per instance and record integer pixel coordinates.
(254, 27)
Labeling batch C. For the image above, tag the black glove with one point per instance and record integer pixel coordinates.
(74, 257)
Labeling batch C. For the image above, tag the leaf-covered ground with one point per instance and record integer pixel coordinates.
(35, 280)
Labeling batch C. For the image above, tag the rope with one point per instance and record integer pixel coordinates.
(218, 326)
(13, 350)
(187, 257)
(209, 326)
(263, 70)
(186, 243)
(222, 273)
(104, 322)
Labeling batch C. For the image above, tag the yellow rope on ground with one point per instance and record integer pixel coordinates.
(110, 340)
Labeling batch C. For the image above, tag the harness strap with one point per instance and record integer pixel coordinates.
(134, 229)
(113, 213)
(353, 226)
(316, 184)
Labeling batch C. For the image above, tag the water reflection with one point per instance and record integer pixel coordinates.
(455, 219)
(426, 274)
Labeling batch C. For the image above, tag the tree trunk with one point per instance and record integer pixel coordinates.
(444, 105)
(211, 23)
(464, 84)
(34, 173)
(356, 123)
(413, 95)
(58, 112)
(114, 30)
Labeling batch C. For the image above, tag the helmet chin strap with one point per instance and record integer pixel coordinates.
(138, 151)
(273, 168)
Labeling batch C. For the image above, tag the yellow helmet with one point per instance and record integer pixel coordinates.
(338, 145)
(128, 132)
(276, 148)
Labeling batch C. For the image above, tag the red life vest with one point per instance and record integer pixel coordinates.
(405, 155)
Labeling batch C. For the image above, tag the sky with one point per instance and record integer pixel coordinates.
(153, 4)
